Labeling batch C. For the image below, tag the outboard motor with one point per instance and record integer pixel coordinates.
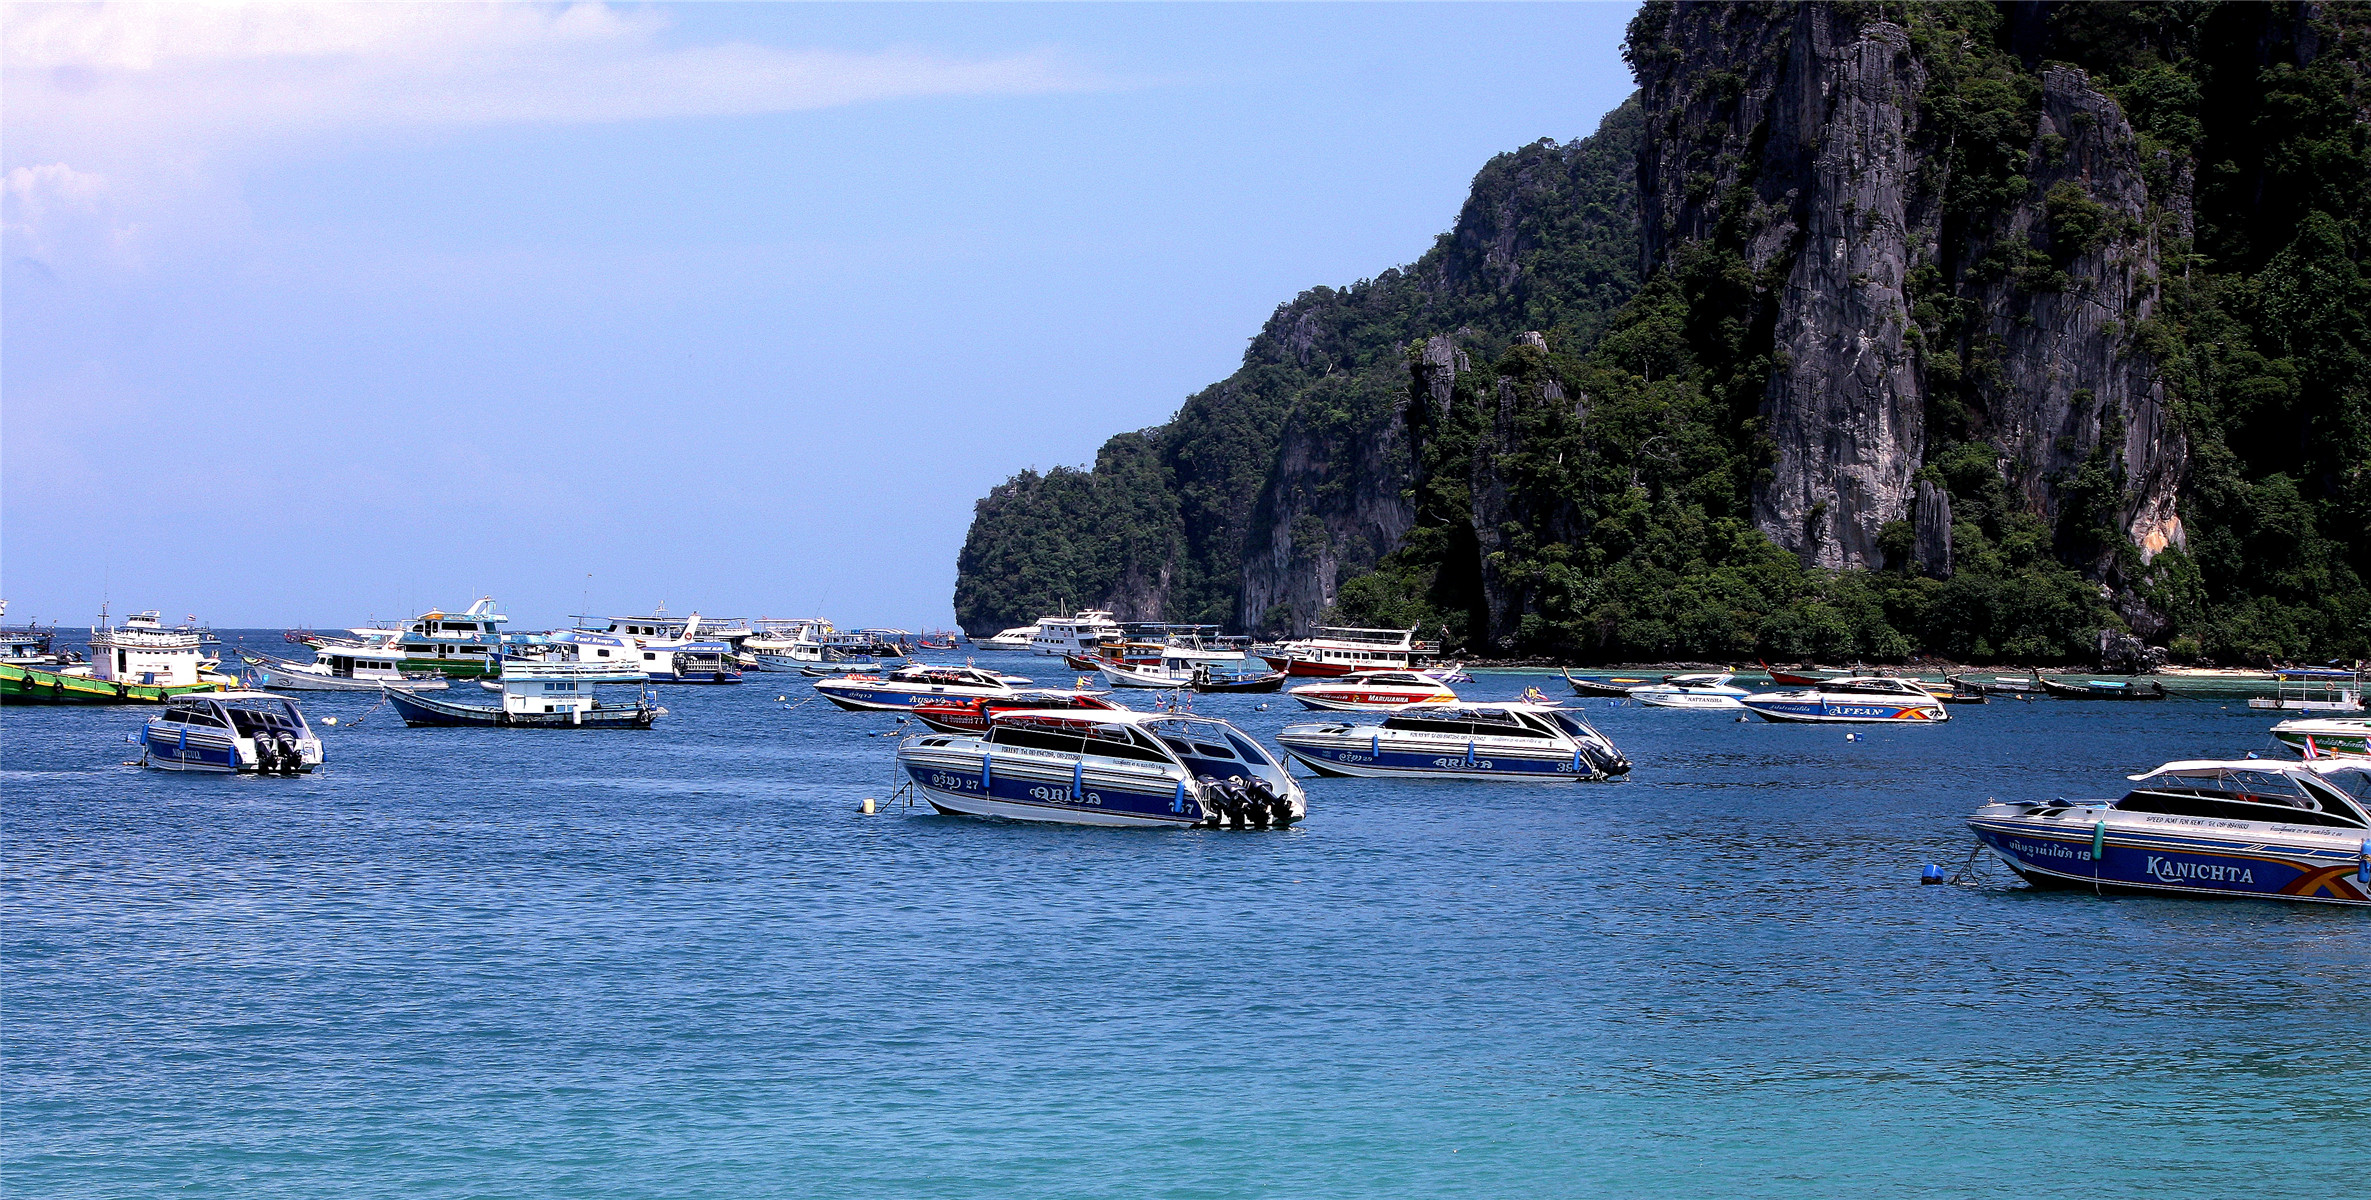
(1279, 808)
(292, 756)
(1236, 802)
(1213, 801)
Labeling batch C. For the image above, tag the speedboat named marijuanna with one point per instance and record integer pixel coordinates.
(1373, 691)
(1537, 742)
(2261, 828)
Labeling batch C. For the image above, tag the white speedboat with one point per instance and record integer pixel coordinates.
(1692, 691)
(337, 670)
(1120, 768)
(1373, 691)
(227, 732)
(1164, 673)
(1019, 637)
(1852, 700)
(2316, 737)
(1461, 741)
(2263, 828)
(901, 688)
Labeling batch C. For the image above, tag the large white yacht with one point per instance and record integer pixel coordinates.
(1080, 634)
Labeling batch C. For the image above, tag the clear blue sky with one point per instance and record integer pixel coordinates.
(324, 313)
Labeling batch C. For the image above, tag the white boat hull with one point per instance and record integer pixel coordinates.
(1708, 700)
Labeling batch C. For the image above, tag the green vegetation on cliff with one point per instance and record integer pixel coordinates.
(1624, 528)
(1156, 530)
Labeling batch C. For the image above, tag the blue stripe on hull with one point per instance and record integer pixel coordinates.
(2198, 870)
(1483, 765)
(1101, 799)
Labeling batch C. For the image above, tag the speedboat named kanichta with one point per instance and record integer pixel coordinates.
(1461, 741)
(2251, 827)
(1117, 768)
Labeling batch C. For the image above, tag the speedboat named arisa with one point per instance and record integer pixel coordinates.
(2261, 828)
(1114, 768)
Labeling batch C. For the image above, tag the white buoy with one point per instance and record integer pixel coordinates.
(868, 806)
(329, 720)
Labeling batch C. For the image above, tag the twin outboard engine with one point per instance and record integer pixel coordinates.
(279, 752)
(1239, 803)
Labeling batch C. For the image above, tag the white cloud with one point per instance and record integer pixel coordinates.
(160, 99)
(159, 73)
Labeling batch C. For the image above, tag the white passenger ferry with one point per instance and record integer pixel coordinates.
(1338, 650)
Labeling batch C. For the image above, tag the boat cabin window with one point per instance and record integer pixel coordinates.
(2234, 806)
(1105, 742)
(1570, 724)
(251, 721)
(1478, 723)
(199, 716)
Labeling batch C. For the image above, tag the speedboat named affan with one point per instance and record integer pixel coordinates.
(2252, 827)
(1855, 700)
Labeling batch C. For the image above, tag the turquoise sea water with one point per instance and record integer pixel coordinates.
(680, 963)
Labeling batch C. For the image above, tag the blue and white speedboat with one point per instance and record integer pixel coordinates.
(1461, 741)
(1105, 767)
(2264, 828)
(899, 689)
(228, 732)
(1854, 700)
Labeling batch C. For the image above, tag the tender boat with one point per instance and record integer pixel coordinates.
(1373, 691)
(1461, 741)
(2253, 828)
(1162, 673)
(540, 695)
(1998, 685)
(900, 689)
(2314, 690)
(228, 732)
(1339, 650)
(1854, 699)
(1793, 679)
(2315, 737)
(1615, 687)
(336, 670)
(969, 714)
(1105, 768)
(1272, 681)
(1710, 690)
(2103, 689)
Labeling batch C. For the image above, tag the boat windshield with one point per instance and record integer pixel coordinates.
(250, 717)
(2354, 781)
(1471, 722)
(1571, 724)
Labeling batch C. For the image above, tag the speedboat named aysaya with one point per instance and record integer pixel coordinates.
(902, 688)
(1537, 742)
(2252, 827)
(1120, 768)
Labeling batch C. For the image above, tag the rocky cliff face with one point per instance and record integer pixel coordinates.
(1816, 140)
